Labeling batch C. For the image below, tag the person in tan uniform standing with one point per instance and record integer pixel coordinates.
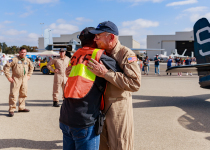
(22, 69)
(59, 78)
(118, 132)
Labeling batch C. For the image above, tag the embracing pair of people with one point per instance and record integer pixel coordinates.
(101, 73)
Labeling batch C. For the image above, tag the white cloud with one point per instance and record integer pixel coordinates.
(60, 21)
(195, 17)
(42, 1)
(33, 36)
(137, 29)
(140, 23)
(13, 32)
(196, 9)
(82, 19)
(188, 29)
(63, 28)
(7, 22)
(27, 13)
(185, 2)
(195, 13)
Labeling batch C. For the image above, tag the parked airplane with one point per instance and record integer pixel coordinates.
(142, 52)
(177, 55)
(202, 54)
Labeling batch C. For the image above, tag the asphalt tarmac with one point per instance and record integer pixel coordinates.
(170, 113)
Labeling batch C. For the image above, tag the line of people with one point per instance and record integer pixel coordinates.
(178, 62)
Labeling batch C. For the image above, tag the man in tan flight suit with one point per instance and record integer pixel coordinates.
(118, 132)
(22, 69)
(59, 77)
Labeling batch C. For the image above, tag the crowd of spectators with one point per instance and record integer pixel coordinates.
(178, 62)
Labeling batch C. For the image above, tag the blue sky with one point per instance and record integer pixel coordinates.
(20, 19)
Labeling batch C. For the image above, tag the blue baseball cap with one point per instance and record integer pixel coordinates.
(106, 26)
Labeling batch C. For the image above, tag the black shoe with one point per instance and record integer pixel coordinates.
(24, 110)
(55, 104)
(11, 114)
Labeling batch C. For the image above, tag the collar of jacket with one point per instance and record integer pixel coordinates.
(22, 59)
(116, 48)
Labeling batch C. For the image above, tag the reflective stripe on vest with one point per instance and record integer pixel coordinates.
(80, 78)
(81, 69)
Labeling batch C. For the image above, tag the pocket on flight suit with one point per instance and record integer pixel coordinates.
(14, 85)
(17, 70)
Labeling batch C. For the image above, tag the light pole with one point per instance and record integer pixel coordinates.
(42, 28)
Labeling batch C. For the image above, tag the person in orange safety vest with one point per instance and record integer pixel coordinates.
(83, 93)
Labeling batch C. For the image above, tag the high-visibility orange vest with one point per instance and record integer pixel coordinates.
(81, 79)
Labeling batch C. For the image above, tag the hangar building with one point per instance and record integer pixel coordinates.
(64, 39)
(179, 41)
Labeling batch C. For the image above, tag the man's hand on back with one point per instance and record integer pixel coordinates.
(97, 68)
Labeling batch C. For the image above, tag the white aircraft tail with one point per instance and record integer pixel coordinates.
(176, 52)
(184, 52)
(192, 54)
(165, 53)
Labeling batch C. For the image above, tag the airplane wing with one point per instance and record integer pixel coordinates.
(142, 51)
(189, 68)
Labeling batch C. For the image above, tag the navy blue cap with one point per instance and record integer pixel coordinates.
(106, 26)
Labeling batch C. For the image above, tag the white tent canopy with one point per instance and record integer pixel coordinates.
(48, 53)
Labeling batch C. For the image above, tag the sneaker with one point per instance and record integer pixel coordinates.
(186, 74)
(155, 73)
(191, 74)
(55, 104)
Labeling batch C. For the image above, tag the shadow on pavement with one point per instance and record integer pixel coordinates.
(29, 144)
(196, 108)
(4, 113)
(39, 103)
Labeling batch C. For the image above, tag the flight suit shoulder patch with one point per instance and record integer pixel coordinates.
(131, 59)
(10, 60)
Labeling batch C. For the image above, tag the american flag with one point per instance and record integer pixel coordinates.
(132, 59)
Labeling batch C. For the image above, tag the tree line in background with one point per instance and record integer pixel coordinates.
(15, 49)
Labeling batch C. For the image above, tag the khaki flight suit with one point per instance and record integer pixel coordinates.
(19, 86)
(60, 77)
(118, 132)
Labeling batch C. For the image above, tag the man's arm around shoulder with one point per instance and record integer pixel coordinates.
(130, 78)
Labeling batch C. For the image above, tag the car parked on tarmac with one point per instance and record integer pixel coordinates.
(44, 69)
